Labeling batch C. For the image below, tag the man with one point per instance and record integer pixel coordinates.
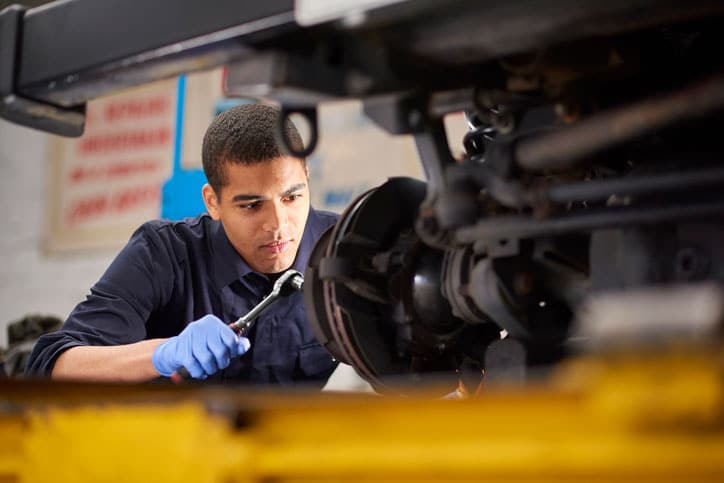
(165, 301)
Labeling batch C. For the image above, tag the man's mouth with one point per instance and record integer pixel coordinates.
(276, 246)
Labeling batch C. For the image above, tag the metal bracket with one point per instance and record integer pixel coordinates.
(21, 110)
(310, 115)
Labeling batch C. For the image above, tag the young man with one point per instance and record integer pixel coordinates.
(165, 301)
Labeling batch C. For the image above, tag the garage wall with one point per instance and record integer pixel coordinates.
(32, 282)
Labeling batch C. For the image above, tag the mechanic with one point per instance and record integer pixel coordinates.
(165, 301)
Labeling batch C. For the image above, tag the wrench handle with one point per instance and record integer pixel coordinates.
(242, 326)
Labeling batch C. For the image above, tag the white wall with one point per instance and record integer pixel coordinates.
(30, 281)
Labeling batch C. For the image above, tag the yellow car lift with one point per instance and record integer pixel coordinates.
(651, 417)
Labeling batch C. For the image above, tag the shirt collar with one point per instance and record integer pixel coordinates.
(230, 266)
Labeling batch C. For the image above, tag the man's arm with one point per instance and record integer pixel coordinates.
(104, 338)
(107, 328)
(122, 363)
(203, 347)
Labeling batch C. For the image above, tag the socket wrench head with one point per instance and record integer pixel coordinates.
(289, 282)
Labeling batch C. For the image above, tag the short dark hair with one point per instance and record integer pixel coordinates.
(244, 134)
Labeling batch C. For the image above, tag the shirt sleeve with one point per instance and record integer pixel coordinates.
(138, 281)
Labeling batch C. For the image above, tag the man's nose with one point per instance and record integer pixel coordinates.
(276, 217)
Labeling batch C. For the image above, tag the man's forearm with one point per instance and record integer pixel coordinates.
(123, 363)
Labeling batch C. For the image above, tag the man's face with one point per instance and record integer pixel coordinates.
(263, 208)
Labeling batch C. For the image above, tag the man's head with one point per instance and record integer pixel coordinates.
(260, 194)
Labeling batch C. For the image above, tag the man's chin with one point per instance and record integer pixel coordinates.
(276, 266)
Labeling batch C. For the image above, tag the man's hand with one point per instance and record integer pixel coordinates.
(204, 347)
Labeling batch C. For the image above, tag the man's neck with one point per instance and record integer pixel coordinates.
(274, 276)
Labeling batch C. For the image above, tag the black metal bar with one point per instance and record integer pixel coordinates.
(432, 147)
(525, 226)
(600, 190)
(76, 50)
(18, 108)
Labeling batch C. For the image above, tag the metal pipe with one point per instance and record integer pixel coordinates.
(600, 190)
(525, 226)
(567, 147)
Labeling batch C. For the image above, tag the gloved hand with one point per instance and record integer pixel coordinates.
(203, 347)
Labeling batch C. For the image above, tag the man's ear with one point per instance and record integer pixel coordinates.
(211, 201)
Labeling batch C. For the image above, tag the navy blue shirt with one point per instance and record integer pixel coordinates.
(172, 273)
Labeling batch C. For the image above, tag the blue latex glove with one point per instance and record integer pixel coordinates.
(204, 347)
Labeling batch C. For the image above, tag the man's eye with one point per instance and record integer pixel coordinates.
(250, 206)
(294, 197)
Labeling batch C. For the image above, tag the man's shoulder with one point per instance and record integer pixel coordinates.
(177, 238)
(163, 226)
(187, 230)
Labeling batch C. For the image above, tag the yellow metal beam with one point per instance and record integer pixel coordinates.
(657, 418)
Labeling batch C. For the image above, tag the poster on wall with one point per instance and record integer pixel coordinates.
(103, 185)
